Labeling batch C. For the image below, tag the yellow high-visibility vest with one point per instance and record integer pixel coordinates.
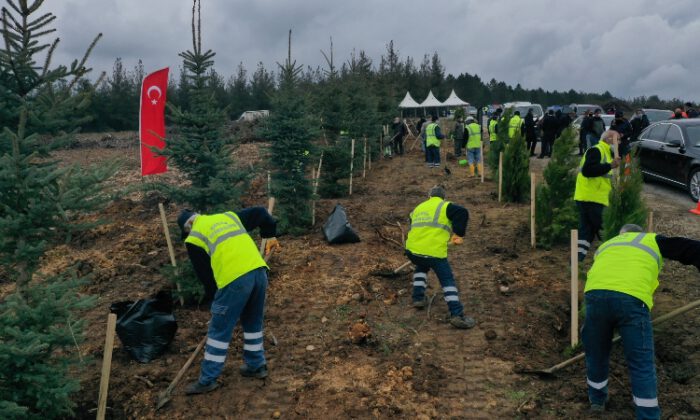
(430, 229)
(474, 140)
(492, 129)
(224, 238)
(430, 137)
(628, 263)
(514, 126)
(595, 189)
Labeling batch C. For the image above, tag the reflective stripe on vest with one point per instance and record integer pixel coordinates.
(595, 189)
(474, 141)
(231, 250)
(629, 263)
(430, 229)
(430, 137)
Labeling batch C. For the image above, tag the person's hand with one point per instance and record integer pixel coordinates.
(615, 163)
(271, 244)
(456, 240)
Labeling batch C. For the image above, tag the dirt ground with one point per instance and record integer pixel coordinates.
(342, 343)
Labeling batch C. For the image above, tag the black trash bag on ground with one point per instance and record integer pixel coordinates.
(146, 327)
(337, 229)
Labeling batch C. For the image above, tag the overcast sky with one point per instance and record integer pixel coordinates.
(630, 48)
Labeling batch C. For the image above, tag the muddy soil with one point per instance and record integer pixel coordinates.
(342, 343)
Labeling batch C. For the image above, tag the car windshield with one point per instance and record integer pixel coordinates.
(658, 115)
(523, 111)
(693, 137)
(582, 109)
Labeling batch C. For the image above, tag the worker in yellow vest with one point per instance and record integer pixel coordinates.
(473, 146)
(433, 136)
(619, 296)
(515, 125)
(493, 124)
(227, 262)
(435, 223)
(593, 186)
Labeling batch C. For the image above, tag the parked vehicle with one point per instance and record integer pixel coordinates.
(656, 115)
(581, 109)
(523, 107)
(669, 151)
(607, 119)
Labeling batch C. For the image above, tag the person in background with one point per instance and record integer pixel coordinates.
(597, 128)
(530, 134)
(493, 124)
(678, 114)
(619, 295)
(515, 125)
(585, 131)
(624, 128)
(473, 132)
(639, 122)
(399, 132)
(690, 110)
(433, 137)
(458, 136)
(550, 125)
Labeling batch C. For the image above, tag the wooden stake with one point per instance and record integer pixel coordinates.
(316, 182)
(500, 177)
(650, 222)
(364, 160)
(171, 251)
(574, 287)
(481, 151)
(269, 184)
(270, 208)
(369, 156)
(352, 159)
(533, 191)
(106, 366)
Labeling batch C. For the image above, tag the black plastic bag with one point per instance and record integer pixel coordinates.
(146, 327)
(337, 229)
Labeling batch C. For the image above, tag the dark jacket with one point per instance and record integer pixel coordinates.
(586, 126)
(684, 250)
(592, 166)
(622, 126)
(597, 126)
(550, 125)
(638, 124)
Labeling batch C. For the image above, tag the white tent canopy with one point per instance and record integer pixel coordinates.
(431, 101)
(454, 100)
(408, 102)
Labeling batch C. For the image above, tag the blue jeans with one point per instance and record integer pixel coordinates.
(474, 156)
(442, 270)
(243, 298)
(433, 153)
(606, 311)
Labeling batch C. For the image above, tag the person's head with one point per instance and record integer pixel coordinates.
(185, 220)
(631, 228)
(550, 112)
(618, 114)
(609, 136)
(517, 113)
(529, 111)
(397, 120)
(678, 112)
(688, 104)
(470, 119)
(589, 113)
(437, 191)
(597, 112)
(639, 112)
(433, 118)
(499, 111)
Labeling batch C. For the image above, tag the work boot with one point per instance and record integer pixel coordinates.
(197, 388)
(462, 322)
(480, 168)
(471, 170)
(420, 304)
(249, 372)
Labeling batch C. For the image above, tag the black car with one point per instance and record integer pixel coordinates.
(669, 151)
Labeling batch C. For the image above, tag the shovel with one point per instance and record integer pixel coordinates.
(391, 273)
(548, 373)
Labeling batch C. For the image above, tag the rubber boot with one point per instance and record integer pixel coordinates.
(471, 170)
(480, 168)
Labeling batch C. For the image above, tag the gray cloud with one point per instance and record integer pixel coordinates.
(630, 48)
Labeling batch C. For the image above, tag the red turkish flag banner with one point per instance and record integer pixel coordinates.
(152, 122)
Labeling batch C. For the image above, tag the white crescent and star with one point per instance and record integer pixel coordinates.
(154, 101)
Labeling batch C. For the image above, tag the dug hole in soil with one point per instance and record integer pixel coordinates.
(349, 344)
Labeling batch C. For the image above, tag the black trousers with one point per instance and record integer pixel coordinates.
(397, 144)
(547, 144)
(531, 142)
(590, 221)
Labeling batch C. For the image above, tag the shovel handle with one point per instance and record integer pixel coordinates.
(165, 396)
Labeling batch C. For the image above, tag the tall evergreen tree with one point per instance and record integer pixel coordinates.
(555, 209)
(39, 205)
(498, 146)
(200, 146)
(290, 129)
(238, 90)
(626, 200)
(516, 170)
(262, 87)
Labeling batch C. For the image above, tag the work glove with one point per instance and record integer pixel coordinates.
(270, 244)
(456, 240)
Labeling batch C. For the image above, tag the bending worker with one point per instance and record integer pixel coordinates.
(593, 186)
(227, 262)
(432, 225)
(619, 296)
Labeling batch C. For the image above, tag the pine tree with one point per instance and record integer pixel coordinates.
(626, 201)
(200, 147)
(290, 129)
(502, 139)
(39, 205)
(516, 170)
(555, 209)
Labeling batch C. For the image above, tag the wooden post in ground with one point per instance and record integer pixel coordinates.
(574, 287)
(481, 154)
(106, 366)
(500, 177)
(364, 160)
(650, 222)
(533, 190)
(171, 251)
(369, 154)
(352, 159)
(270, 209)
(317, 179)
(269, 184)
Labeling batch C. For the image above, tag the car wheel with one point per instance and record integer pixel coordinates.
(694, 184)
